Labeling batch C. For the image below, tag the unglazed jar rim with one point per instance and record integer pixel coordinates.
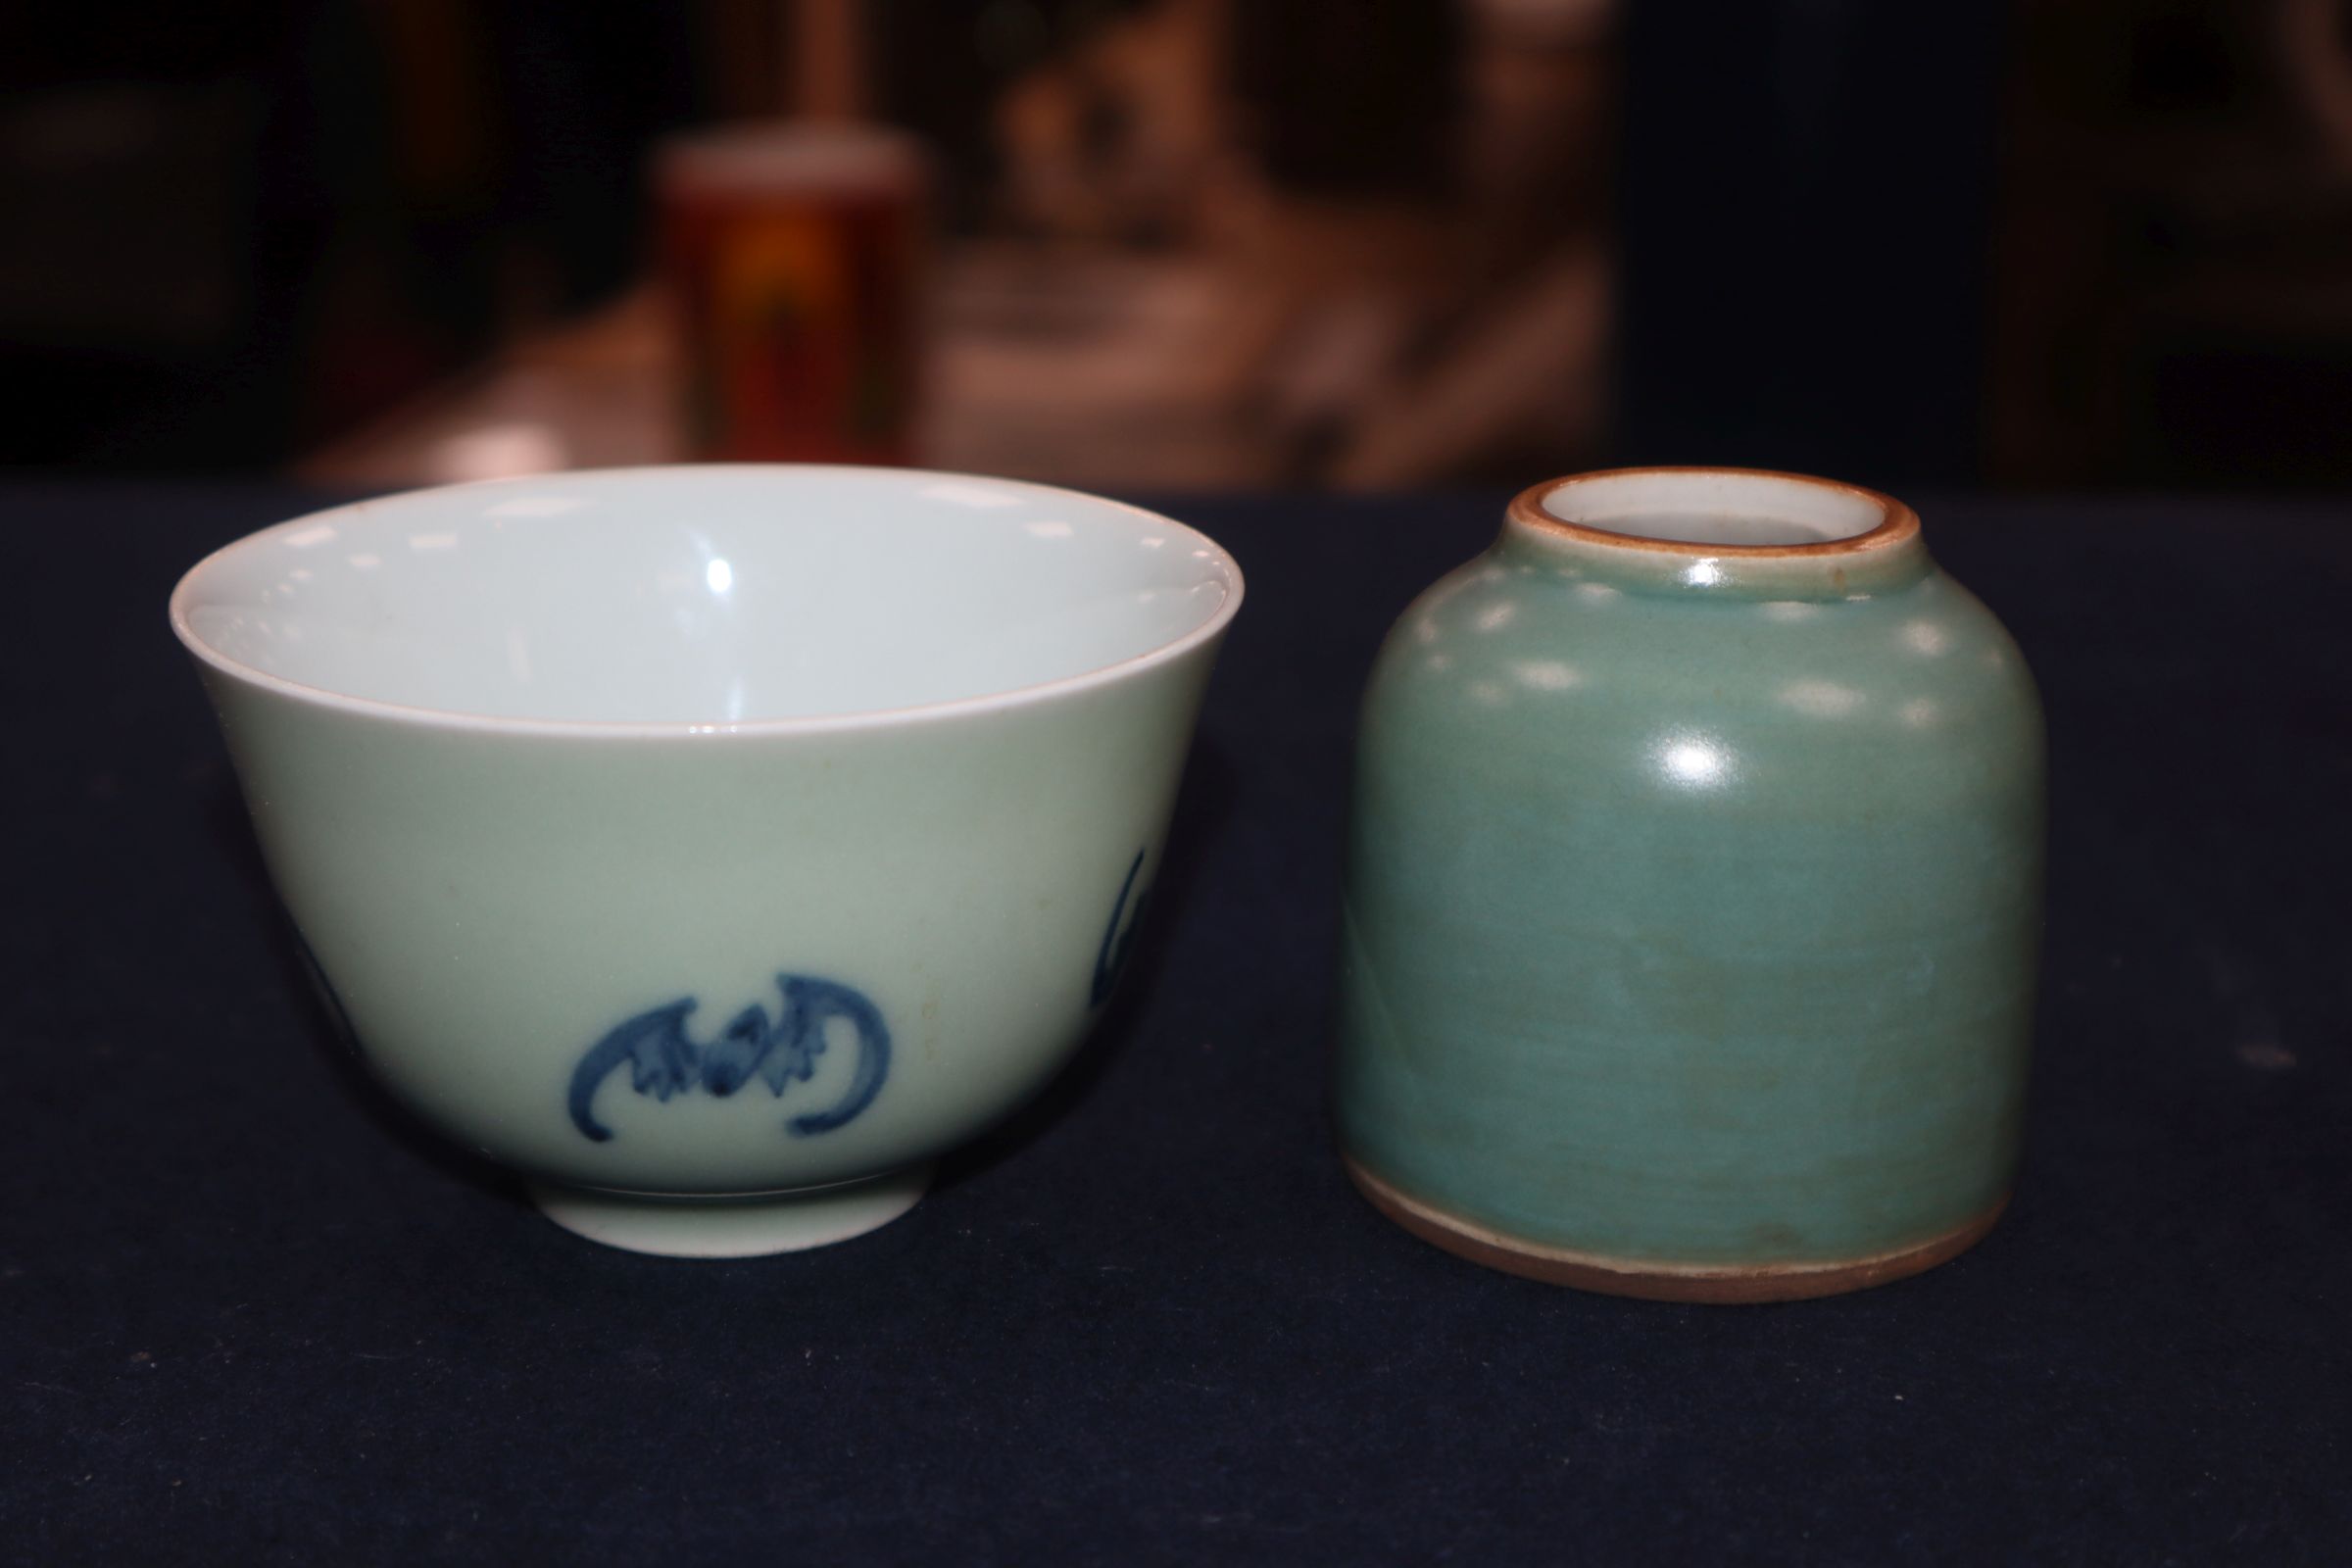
(748, 160)
(1888, 553)
(1896, 520)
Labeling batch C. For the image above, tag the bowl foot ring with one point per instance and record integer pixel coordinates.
(753, 1225)
(1664, 1282)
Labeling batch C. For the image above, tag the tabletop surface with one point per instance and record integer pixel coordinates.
(248, 1312)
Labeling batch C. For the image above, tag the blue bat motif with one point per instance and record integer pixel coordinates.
(665, 1060)
(336, 1012)
(1111, 960)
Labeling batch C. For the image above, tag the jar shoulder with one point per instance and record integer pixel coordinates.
(1494, 642)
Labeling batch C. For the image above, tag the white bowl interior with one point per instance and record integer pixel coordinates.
(705, 594)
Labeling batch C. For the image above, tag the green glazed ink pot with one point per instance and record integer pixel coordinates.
(1693, 896)
(713, 846)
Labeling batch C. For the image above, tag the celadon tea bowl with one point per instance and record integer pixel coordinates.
(1693, 894)
(713, 846)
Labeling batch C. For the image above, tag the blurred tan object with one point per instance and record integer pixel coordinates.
(1540, 92)
(599, 393)
(1121, 138)
(1154, 312)
(1343, 317)
(1086, 368)
(792, 254)
(1396, 343)
(1514, 361)
(828, 65)
(1074, 367)
(1525, 370)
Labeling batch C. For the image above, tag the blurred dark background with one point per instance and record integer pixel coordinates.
(1201, 243)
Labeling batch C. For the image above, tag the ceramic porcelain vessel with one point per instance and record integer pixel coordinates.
(1693, 896)
(715, 845)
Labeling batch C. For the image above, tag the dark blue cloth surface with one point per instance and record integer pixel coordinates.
(248, 1313)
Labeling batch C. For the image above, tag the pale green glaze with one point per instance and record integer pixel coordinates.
(488, 902)
(1692, 900)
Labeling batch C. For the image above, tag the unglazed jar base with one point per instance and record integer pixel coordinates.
(753, 1226)
(1664, 1282)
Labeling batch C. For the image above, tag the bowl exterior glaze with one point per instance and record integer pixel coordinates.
(489, 907)
(1692, 915)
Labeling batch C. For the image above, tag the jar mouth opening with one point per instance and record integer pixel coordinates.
(1704, 512)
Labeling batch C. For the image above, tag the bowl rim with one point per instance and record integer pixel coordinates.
(449, 718)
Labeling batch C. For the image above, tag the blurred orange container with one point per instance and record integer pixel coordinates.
(795, 257)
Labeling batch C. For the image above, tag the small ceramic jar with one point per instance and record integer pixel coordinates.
(1693, 896)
